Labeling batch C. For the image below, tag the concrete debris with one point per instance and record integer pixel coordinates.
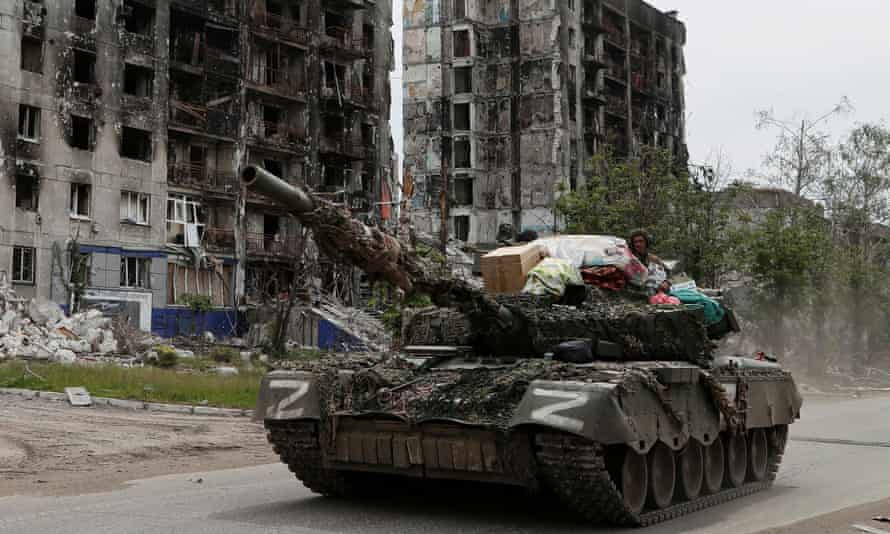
(39, 329)
(187, 354)
(226, 371)
(78, 396)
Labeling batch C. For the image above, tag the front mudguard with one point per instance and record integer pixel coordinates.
(288, 396)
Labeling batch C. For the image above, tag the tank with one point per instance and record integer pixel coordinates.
(622, 410)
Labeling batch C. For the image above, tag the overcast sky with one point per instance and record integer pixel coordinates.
(798, 57)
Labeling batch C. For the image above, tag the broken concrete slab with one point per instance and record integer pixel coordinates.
(78, 396)
(226, 371)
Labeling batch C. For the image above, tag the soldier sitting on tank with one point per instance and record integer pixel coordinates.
(640, 241)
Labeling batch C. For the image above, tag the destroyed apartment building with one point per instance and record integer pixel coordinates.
(125, 123)
(508, 100)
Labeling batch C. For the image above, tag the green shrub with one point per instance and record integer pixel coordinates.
(167, 357)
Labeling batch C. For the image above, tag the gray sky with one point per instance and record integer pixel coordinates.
(798, 57)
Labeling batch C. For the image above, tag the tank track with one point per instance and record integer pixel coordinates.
(575, 468)
(296, 443)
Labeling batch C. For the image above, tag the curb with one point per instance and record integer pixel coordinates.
(182, 409)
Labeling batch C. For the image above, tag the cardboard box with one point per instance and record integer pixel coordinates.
(504, 270)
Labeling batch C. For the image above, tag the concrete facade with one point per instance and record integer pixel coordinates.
(124, 123)
(514, 96)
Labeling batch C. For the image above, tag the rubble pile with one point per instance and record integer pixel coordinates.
(38, 329)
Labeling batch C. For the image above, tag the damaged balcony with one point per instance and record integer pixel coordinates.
(272, 244)
(279, 26)
(338, 39)
(136, 19)
(277, 135)
(277, 128)
(342, 145)
(276, 72)
(198, 176)
(202, 106)
(219, 239)
(616, 106)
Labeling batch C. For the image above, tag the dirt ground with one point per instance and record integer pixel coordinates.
(51, 448)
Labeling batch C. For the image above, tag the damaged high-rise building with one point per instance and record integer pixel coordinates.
(124, 125)
(506, 100)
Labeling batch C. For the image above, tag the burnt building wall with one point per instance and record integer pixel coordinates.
(124, 123)
(545, 86)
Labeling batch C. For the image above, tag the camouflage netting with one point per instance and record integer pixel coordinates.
(534, 326)
(485, 396)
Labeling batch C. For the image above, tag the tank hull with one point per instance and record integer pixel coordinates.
(562, 434)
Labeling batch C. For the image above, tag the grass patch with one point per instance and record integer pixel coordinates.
(165, 385)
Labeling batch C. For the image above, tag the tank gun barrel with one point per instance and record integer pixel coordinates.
(292, 197)
(343, 238)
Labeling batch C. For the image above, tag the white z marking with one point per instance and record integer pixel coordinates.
(548, 414)
(280, 409)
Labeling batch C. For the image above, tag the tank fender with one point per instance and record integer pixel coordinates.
(288, 395)
(605, 413)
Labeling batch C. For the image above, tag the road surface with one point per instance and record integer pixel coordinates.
(838, 458)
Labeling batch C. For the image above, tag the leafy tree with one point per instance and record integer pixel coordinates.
(858, 203)
(687, 216)
(782, 253)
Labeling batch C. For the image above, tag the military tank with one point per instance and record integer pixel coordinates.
(649, 426)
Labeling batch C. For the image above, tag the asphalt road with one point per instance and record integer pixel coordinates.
(837, 458)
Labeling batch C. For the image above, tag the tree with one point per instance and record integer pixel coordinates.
(687, 216)
(858, 202)
(782, 254)
(802, 154)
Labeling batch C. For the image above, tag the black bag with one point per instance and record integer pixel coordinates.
(578, 351)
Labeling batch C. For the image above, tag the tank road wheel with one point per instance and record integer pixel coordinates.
(714, 467)
(736, 460)
(662, 476)
(634, 480)
(758, 455)
(691, 471)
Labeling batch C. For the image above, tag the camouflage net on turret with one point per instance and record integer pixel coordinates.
(538, 325)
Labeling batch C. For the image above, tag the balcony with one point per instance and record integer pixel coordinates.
(261, 244)
(591, 93)
(188, 115)
(196, 176)
(138, 43)
(279, 82)
(340, 41)
(222, 63)
(615, 37)
(616, 73)
(82, 26)
(279, 135)
(219, 238)
(615, 105)
(641, 83)
(342, 146)
(279, 27)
